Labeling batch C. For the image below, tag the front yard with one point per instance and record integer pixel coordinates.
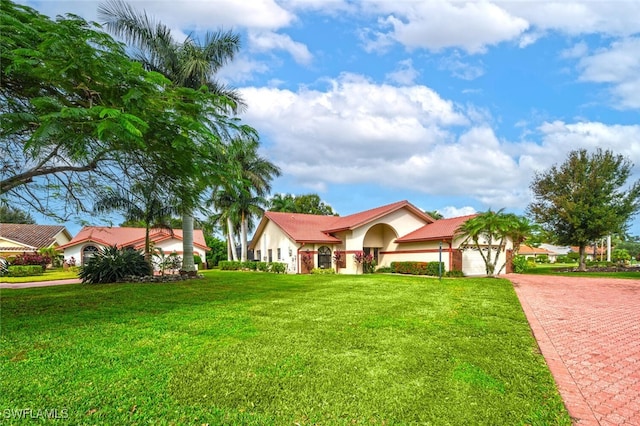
(255, 348)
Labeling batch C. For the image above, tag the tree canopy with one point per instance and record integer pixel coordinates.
(77, 114)
(585, 198)
(307, 203)
(9, 214)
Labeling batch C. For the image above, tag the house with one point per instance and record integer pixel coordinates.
(555, 251)
(533, 252)
(91, 239)
(16, 238)
(390, 233)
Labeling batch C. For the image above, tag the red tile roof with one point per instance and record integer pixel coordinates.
(35, 236)
(308, 228)
(358, 219)
(123, 237)
(438, 230)
(525, 249)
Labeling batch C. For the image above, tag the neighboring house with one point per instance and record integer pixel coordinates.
(556, 251)
(395, 232)
(533, 252)
(592, 252)
(90, 239)
(18, 238)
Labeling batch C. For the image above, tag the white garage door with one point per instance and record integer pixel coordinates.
(472, 263)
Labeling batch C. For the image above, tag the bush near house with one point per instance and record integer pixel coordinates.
(31, 259)
(111, 265)
(231, 265)
(418, 268)
(24, 271)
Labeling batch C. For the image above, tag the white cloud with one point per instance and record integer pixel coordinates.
(405, 74)
(617, 18)
(269, 41)
(460, 69)
(452, 211)
(578, 50)
(437, 25)
(619, 66)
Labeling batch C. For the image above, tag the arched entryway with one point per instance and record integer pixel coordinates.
(378, 239)
(324, 257)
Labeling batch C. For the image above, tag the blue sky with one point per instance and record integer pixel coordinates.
(451, 105)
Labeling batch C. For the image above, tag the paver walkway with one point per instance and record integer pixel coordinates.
(588, 330)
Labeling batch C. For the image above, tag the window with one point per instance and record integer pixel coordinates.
(258, 258)
(279, 255)
(324, 257)
(87, 253)
(270, 255)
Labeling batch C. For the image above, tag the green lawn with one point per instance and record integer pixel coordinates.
(49, 275)
(261, 349)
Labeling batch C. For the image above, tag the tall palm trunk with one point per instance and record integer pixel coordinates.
(243, 231)
(232, 240)
(188, 264)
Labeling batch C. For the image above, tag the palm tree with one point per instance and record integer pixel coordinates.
(283, 203)
(243, 191)
(187, 64)
(489, 232)
(143, 203)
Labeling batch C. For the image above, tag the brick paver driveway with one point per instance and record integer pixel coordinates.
(588, 330)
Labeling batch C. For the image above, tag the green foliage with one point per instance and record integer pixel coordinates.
(542, 258)
(620, 256)
(323, 271)
(418, 268)
(4, 267)
(24, 270)
(520, 264)
(489, 233)
(230, 265)
(112, 264)
(197, 259)
(384, 270)
(262, 266)
(31, 259)
(250, 265)
(598, 263)
(307, 204)
(454, 274)
(278, 267)
(585, 198)
(573, 256)
(217, 252)
(10, 214)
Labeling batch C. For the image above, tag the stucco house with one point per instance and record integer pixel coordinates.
(394, 232)
(90, 239)
(18, 238)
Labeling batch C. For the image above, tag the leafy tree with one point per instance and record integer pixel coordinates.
(145, 204)
(76, 114)
(585, 198)
(187, 64)
(217, 252)
(13, 215)
(435, 214)
(489, 233)
(620, 256)
(308, 204)
(632, 247)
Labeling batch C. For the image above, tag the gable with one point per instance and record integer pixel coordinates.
(129, 237)
(31, 236)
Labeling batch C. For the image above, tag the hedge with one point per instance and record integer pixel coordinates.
(418, 268)
(24, 271)
(275, 267)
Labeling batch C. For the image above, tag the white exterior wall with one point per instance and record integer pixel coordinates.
(274, 238)
(167, 246)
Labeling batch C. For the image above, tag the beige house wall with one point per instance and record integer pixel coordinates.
(273, 238)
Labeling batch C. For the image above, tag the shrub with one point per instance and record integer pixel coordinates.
(31, 259)
(520, 264)
(111, 265)
(24, 270)
(262, 266)
(573, 257)
(418, 268)
(197, 259)
(562, 259)
(454, 274)
(596, 263)
(321, 271)
(543, 258)
(279, 268)
(251, 265)
(620, 256)
(229, 265)
(384, 270)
